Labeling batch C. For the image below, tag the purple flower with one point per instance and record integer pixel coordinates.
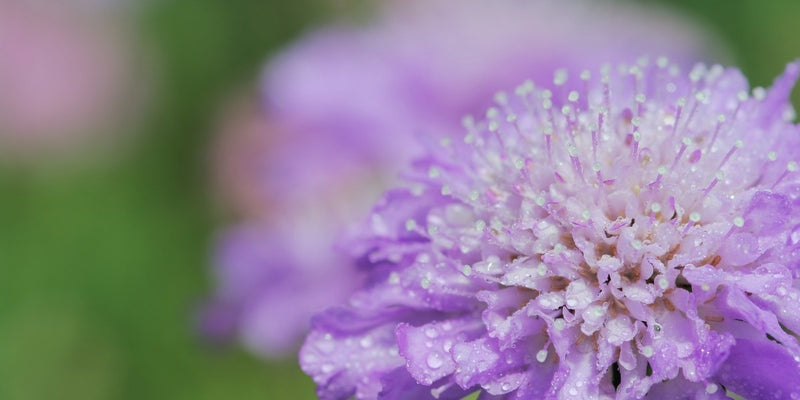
(635, 237)
(343, 107)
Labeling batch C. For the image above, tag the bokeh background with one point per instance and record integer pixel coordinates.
(104, 253)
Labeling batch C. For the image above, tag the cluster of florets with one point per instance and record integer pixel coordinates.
(631, 232)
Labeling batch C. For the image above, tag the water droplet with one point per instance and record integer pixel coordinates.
(435, 361)
(657, 330)
(326, 345)
(541, 356)
(447, 345)
(662, 282)
(559, 324)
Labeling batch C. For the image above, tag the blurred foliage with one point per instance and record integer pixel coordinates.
(103, 265)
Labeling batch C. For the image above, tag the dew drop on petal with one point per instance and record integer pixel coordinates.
(541, 356)
(435, 361)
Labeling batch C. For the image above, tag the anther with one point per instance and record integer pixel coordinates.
(791, 166)
(685, 142)
(736, 145)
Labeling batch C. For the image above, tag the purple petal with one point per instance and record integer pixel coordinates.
(761, 369)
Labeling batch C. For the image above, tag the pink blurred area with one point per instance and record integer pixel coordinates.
(66, 77)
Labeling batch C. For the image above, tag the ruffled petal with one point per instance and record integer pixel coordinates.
(350, 359)
(681, 389)
(761, 369)
(427, 349)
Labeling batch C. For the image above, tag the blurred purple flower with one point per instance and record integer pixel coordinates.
(634, 238)
(64, 73)
(343, 108)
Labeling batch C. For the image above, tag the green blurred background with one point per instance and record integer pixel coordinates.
(103, 264)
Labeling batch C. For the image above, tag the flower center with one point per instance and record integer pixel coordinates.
(597, 195)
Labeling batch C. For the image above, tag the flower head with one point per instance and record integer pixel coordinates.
(634, 237)
(344, 105)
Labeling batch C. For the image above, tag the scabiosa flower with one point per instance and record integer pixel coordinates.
(633, 238)
(342, 109)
